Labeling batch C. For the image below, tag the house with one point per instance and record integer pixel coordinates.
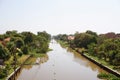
(71, 37)
(111, 35)
(118, 35)
(5, 41)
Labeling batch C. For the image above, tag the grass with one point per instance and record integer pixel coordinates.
(30, 61)
(34, 54)
(22, 58)
(38, 55)
(101, 61)
(33, 58)
(107, 76)
(62, 43)
(9, 61)
(50, 49)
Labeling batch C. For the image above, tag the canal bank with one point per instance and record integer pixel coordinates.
(99, 64)
(13, 74)
(90, 58)
(61, 64)
(116, 73)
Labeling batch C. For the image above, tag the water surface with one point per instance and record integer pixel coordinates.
(61, 64)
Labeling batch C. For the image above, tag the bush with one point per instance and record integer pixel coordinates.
(19, 52)
(107, 76)
(25, 50)
(102, 76)
(4, 52)
(2, 73)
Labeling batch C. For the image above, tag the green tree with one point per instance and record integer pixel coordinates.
(19, 42)
(11, 33)
(1, 37)
(92, 49)
(91, 32)
(45, 35)
(84, 39)
(28, 37)
(42, 44)
(116, 60)
(25, 50)
(2, 73)
(4, 52)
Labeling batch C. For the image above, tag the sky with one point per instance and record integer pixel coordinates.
(60, 16)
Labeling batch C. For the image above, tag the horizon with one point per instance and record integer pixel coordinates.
(60, 33)
(60, 16)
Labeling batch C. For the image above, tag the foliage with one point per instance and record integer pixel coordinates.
(28, 37)
(92, 49)
(4, 52)
(104, 47)
(25, 50)
(45, 35)
(99, 46)
(13, 45)
(2, 73)
(19, 42)
(107, 76)
(1, 37)
(62, 37)
(91, 32)
(84, 39)
(19, 52)
(42, 43)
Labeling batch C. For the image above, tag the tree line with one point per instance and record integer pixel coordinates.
(14, 44)
(104, 46)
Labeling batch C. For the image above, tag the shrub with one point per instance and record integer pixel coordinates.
(107, 76)
(102, 76)
(25, 50)
(2, 73)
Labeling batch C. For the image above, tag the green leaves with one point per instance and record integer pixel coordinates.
(107, 76)
(19, 42)
(4, 52)
(84, 39)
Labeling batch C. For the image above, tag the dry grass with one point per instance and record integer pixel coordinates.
(22, 58)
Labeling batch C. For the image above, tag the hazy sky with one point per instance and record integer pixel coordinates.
(60, 16)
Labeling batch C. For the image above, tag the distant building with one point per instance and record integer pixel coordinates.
(110, 35)
(4, 41)
(118, 35)
(7, 39)
(71, 37)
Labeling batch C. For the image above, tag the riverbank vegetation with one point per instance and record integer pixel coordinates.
(65, 44)
(107, 76)
(16, 47)
(104, 48)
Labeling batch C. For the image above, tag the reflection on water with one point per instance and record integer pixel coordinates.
(43, 59)
(30, 64)
(83, 61)
(63, 64)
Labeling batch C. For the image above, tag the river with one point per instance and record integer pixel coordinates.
(61, 64)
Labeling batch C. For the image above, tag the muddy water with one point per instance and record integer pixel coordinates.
(60, 64)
